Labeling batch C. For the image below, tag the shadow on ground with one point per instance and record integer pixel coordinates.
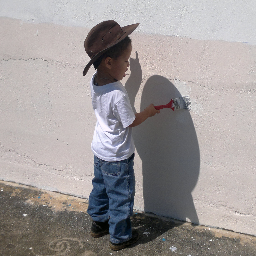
(34, 222)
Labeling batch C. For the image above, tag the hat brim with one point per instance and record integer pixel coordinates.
(127, 30)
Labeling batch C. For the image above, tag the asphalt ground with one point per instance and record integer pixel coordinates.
(42, 223)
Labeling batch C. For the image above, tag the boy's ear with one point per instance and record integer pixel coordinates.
(108, 62)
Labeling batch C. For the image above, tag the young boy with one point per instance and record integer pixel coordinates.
(112, 197)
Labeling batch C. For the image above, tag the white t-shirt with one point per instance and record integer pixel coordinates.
(112, 139)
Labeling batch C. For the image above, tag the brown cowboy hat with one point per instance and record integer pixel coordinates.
(103, 36)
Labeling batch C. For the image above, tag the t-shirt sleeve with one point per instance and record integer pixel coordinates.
(123, 111)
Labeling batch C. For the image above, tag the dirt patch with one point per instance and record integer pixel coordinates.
(56, 201)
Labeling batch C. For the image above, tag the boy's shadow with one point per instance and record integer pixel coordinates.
(168, 147)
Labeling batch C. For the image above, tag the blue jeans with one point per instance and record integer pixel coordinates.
(112, 196)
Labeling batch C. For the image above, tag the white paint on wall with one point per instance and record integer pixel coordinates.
(227, 20)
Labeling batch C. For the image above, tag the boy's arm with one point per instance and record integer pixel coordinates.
(144, 115)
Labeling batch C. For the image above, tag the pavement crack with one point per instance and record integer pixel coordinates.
(48, 61)
(21, 59)
(11, 155)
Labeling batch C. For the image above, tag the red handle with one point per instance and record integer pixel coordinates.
(169, 105)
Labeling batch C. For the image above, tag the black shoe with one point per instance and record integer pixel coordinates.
(133, 240)
(99, 229)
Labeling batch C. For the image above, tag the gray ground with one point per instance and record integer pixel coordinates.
(36, 222)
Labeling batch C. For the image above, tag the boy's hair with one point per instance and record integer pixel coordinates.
(114, 51)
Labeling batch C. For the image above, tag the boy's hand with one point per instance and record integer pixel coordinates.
(144, 115)
(151, 111)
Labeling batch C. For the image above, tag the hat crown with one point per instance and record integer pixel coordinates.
(102, 37)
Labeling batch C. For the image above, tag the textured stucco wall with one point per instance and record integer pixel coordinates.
(198, 165)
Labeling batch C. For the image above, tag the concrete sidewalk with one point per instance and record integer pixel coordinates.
(42, 223)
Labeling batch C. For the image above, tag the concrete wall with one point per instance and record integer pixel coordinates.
(197, 166)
